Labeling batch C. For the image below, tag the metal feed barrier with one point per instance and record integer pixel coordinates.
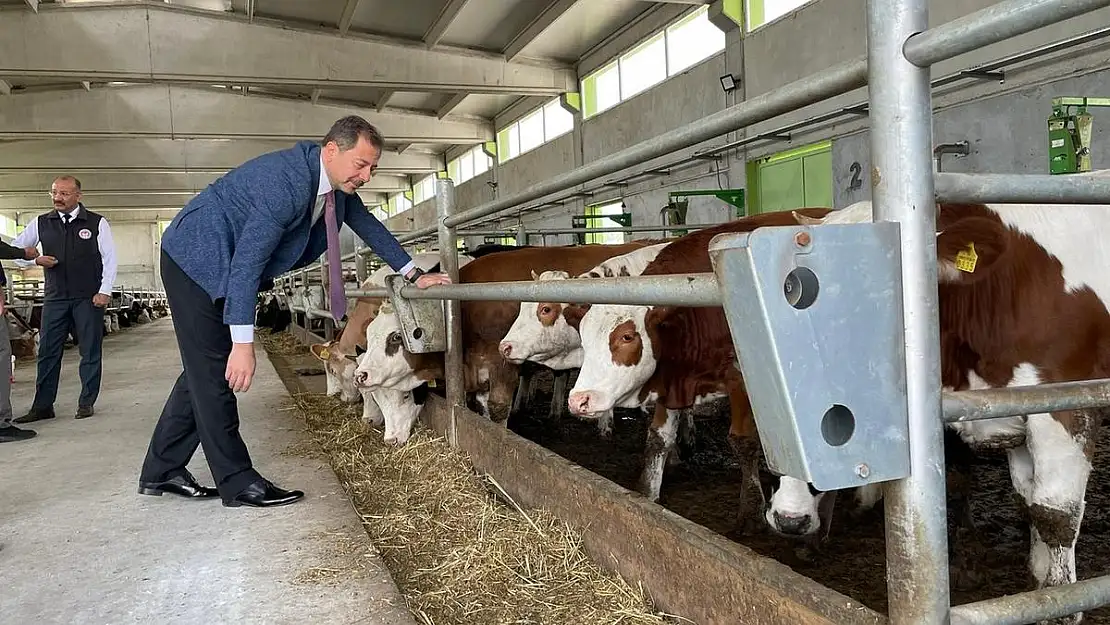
(901, 344)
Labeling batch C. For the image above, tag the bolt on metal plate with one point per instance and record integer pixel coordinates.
(816, 320)
(423, 325)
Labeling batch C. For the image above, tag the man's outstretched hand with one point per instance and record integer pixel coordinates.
(432, 279)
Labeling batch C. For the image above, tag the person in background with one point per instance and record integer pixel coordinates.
(9, 433)
(274, 213)
(79, 266)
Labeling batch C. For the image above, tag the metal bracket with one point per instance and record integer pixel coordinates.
(423, 325)
(816, 320)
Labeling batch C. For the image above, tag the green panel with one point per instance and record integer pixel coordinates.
(571, 102)
(503, 143)
(589, 95)
(781, 186)
(755, 14)
(817, 170)
(491, 147)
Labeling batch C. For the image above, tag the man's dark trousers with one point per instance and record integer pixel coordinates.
(88, 322)
(201, 408)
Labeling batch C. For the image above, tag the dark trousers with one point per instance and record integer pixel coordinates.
(201, 408)
(87, 321)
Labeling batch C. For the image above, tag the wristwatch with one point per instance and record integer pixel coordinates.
(416, 273)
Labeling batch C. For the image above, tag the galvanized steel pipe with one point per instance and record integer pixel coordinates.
(1022, 400)
(995, 23)
(1035, 605)
(1023, 188)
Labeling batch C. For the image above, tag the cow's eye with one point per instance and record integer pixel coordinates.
(546, 310)
(628, 337)
(394, 338)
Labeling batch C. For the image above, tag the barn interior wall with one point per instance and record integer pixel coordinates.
(1005, 122)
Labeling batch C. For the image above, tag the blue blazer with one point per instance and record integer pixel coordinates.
(253, 224)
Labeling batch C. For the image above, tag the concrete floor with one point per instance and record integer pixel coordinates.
(79, 545)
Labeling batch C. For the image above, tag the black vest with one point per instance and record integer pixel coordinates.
(80, 267)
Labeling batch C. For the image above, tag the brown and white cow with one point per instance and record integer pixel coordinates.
(490, 377)
(677, 357)
(542, 335)
(1032, 310)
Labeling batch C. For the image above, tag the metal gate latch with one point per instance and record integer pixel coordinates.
(423, 324)
(816, 319)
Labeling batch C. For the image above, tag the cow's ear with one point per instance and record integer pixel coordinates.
(657, 317)
(573, 313)
(969, 248)
(322, 351)
(534, 276)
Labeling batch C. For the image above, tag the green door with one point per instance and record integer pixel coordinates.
(794, 179)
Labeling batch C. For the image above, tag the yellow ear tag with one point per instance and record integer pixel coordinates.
(966, 259)
(431, 383)
(325, 354)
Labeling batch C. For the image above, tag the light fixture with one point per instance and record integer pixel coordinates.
(728, 82)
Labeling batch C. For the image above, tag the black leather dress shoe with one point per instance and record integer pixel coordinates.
(263, 494)
(183, 485)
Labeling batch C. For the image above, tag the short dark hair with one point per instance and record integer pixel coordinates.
(69, 178)
(346, 131)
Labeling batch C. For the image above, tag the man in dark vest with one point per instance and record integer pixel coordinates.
(79, 264)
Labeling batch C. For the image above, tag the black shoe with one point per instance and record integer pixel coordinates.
(10, 434)
(263, 494)
(83, 412)
(35, 415)
(183, 485)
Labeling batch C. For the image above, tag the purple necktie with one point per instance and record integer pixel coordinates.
(335, 268)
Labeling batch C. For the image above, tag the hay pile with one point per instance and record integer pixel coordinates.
(458, 553)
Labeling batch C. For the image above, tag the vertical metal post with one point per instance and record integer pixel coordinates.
(449, 264)
(521, 235)
(360, 266)
(902, 191)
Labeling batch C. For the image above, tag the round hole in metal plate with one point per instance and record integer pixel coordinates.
(800, 288)
(417, 333)
(838, 425)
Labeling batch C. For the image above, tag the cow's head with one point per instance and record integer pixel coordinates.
(971, 239)
(795, 508)
(386, 364)
(400, 409)
(619, 356)
(339, 368)
(541, 333)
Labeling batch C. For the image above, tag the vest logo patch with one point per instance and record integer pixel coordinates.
(84, 233)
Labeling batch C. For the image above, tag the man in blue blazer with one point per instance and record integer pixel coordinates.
(272, 214)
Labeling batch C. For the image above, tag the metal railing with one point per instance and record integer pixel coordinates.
(901, 48)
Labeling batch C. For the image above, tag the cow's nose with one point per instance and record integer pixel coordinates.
(506, 349)
(579, 402)
(391, 440)
(789, 524)
(361, 378)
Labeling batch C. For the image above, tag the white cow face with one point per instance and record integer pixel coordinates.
(541, 333)
(794, 509)
(618, 358)
(384, 365)
(339, 368)
(400, 409)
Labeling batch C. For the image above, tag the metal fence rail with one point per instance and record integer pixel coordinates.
(901, 49)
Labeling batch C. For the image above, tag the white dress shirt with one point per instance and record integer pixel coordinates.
(30, 238)
(245, 333)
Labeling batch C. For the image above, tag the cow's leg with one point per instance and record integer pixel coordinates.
(604, 423)
(1060, 446)
(744, 440)
(558, 395)
(502, 381)
(660, 440)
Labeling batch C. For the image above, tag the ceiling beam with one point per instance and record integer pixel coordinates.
(5, 88)
(35, 185)
(383, 100)
(549, 16)
(164, 43)
(163, 111)
(34, 4)
(451, 104)
(443, 22)
(348, 15)
(316, 95)
(145, 156)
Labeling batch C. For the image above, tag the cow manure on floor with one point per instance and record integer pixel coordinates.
(456, 549)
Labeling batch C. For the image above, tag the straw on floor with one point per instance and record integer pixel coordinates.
(459, 550)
